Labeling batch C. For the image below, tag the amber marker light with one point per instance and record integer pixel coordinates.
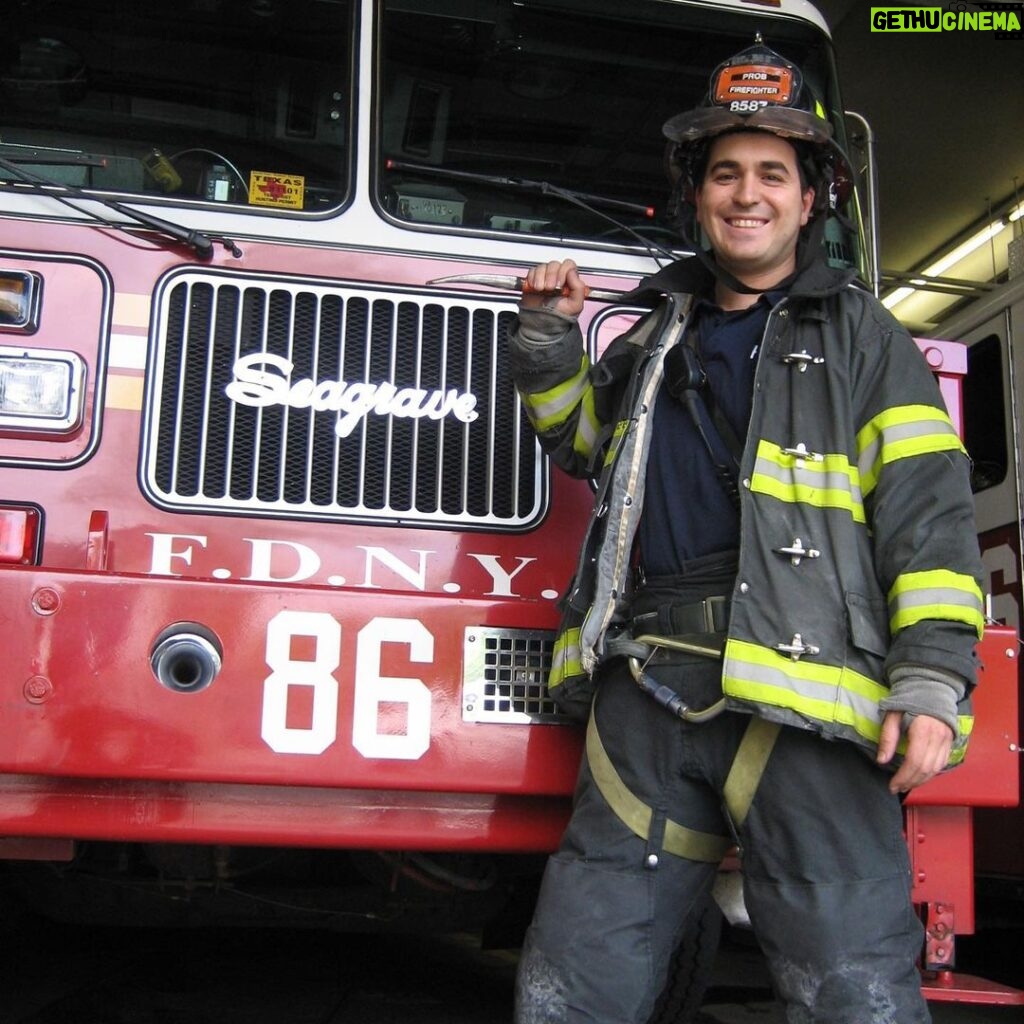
(20, 299)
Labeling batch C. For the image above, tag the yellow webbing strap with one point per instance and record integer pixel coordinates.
(748, 766)
(636, 815)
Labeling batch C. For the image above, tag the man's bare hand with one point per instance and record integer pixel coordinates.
(929, 742)
(556, 286)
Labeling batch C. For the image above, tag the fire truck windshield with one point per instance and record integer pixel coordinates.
(435, 112)
(565, 92)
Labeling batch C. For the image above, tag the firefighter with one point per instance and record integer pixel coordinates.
(773, 621)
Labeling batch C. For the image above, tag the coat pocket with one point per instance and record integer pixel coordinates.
(868, 623)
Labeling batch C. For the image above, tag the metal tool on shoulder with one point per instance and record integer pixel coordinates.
(509, 282)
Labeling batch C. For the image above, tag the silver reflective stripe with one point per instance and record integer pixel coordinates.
(936, 594)
(549, 408)
(824, 693)
(565, 659)
(902, 432)
(936, 598)
(828, 484)
(587, 426)
(627, 488)
(807, 476)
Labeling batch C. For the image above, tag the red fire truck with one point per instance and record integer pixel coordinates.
(280, 557)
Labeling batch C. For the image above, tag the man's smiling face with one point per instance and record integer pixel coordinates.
(752, 205)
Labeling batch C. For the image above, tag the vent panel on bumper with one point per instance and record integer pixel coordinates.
(505, 674)
(292, 398)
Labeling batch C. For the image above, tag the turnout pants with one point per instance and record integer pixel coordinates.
(825, 869)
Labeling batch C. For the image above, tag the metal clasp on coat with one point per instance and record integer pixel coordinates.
(796, 648)
(797, 552)
(803, 359)
(802, 454)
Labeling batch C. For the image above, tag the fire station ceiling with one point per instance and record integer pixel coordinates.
(947, 110)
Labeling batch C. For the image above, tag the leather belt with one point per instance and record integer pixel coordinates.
(711, 615)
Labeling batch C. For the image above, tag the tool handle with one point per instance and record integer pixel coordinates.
(528, 289)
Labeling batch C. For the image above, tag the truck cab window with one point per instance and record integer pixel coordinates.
(985, 414)
(213, 101)
(488, 112)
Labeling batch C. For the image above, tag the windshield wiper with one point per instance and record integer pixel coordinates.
(585, 200)
(18, 153)
(199, 242)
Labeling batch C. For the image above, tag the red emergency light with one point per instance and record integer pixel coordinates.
(19, 534)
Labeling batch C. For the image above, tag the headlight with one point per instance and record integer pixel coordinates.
(41, 390)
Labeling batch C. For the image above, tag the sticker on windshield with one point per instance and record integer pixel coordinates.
(268, 188)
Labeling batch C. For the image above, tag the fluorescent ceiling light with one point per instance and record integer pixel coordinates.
(955, 256)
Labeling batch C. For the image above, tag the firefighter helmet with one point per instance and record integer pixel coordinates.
(757, 89)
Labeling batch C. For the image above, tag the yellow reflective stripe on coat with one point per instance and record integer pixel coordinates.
(565, 657)
(901, 433)
(936, 594)
(965, 724)
(587, 425)
(548, 410)
(551, 408)
(826, 693)
(823, 693)
(830, 483)
(613, 447)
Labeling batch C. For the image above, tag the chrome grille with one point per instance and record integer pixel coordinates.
(417, 457)
(505, 673)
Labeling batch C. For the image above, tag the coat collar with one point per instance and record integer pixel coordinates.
(690, 276)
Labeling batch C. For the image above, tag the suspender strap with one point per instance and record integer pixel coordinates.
(740, 786)
(637, 816)
(745, 774)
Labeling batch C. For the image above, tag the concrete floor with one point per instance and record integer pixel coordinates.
(72, 975)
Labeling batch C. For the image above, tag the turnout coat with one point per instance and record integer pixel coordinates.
(857, 549)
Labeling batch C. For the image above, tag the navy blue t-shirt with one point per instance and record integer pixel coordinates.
(687, 513)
